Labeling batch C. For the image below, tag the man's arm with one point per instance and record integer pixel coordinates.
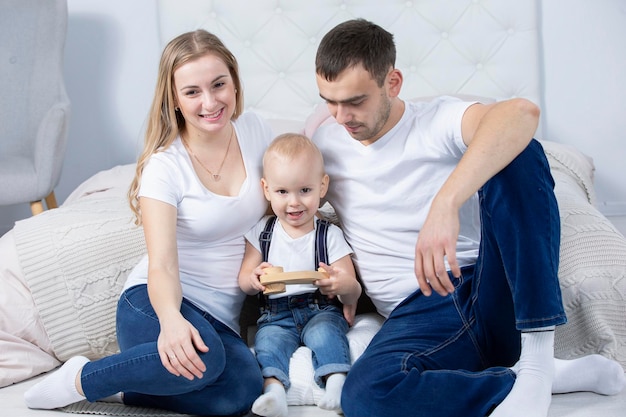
(495, 134)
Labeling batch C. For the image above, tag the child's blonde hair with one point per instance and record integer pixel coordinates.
(290, 145)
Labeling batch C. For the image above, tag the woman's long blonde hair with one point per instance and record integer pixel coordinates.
(164, 122)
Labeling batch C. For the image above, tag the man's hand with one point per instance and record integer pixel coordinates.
(436, 243)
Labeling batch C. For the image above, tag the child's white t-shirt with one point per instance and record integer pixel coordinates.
(298, 254)
(383, 192)
(210, 228)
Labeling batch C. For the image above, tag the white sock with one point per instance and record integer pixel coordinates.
(532, 391)
(115, 398)
(273, 402)
(593, 373)
(331, 400)
(58, 389)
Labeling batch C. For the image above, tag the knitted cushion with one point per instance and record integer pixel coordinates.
(75, 260)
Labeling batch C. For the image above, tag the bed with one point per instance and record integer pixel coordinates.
(61, 271)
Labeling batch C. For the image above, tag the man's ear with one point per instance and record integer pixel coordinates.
(266, 190)
(394, 82)
(324, 187)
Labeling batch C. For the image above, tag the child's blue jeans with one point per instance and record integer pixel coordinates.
(307, 319)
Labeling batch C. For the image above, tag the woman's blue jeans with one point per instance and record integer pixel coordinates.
(449, 356)
(307, 319)
(229, 386)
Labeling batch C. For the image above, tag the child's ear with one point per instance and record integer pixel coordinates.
(324, 187)
(266, 190)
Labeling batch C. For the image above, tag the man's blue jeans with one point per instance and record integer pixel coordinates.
(229, 386)
(308, 319)
(449, 356)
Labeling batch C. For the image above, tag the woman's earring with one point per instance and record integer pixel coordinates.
(176, 108)
(236, 91)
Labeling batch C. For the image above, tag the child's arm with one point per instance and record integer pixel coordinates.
(251, 268)
(342, 283)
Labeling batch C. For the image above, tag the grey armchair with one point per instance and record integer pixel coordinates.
(34, 107)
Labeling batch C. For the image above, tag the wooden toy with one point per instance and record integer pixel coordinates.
(275, 280)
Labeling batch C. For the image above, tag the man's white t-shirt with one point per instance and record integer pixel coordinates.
(210, 228)
(382, 193)
(298, 254)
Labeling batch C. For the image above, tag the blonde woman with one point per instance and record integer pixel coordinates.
(196, 193)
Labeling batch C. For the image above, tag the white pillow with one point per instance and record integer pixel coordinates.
(24, 345)
(592, 269)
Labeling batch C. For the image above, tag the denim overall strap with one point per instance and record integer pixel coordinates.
(265, 237)
(321, 247)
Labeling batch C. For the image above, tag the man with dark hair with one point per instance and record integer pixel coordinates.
(449, 208)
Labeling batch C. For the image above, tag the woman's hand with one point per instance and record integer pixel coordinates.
(178, 345)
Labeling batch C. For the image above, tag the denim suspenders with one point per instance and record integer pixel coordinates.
(321, 247)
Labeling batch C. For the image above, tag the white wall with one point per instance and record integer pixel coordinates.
(585, 84)
(112, 53)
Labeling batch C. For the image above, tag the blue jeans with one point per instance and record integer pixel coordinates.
(449, 356)
(289, 322)
(229, 386)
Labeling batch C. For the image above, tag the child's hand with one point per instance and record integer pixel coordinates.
(329, 286)
(341, 281)
(254, 277)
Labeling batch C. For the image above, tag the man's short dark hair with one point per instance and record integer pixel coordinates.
(355, 42)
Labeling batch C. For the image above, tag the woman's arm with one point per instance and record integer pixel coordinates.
(178, 339)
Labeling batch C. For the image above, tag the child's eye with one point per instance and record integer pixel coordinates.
(281, 191)
(305, 190)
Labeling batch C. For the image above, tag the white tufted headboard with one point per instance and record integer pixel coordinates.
(474, 47)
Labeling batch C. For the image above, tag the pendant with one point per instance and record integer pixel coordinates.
(216, 177)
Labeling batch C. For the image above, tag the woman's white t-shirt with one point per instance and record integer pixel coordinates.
(382, 193)
(210, 228)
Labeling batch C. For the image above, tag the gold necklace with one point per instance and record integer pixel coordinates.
(216, 177)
